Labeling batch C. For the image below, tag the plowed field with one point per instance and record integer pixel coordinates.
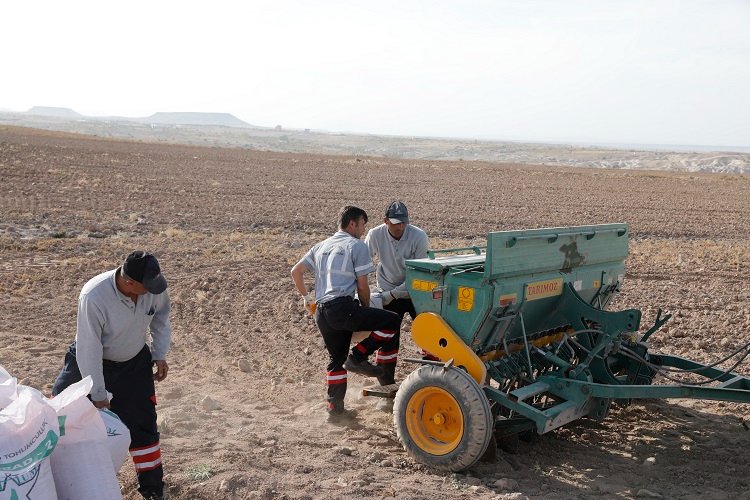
(228, 224)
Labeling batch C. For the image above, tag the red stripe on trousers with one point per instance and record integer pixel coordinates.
(387, 353)
(146, 469)
(148, 457)
(378, 335)
(144, 447)
(386, 361)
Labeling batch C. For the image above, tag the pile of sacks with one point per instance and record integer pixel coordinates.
(60, 448)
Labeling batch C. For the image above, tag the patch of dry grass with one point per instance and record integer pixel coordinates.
(691, 256)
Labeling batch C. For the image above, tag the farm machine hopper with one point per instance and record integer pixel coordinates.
(525, 344)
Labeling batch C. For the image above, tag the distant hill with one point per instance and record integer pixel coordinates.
(186, 118)
(225, 130)
(53, 111)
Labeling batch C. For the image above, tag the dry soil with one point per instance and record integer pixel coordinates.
(228, 224)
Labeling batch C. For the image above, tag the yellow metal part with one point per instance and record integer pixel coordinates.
(434, 335)
(515, 347)
(540, 342)
(434, 420)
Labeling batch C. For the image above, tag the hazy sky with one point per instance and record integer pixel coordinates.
(656, 72)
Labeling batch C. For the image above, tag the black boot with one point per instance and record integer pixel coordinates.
(151, 493)
(363, 367)
(338, 415)
(389, 374)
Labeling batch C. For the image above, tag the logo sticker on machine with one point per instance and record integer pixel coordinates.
(544, 289)
(423, 286)
(465, 298)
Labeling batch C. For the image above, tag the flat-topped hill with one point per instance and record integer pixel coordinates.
(190, 118)
(54, 111)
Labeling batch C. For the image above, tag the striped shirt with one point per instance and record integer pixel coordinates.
(337, 263)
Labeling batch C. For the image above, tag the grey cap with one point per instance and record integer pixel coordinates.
(397, 213)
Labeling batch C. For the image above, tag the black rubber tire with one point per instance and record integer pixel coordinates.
(473, 403)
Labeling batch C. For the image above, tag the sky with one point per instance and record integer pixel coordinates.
(625, 72)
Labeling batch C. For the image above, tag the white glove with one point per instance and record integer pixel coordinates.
(387, 298)
(310, 302)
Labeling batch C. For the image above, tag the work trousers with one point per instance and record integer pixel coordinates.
(134, 401)
(387, 355)
(337, 320)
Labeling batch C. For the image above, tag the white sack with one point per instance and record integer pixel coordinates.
(118, 438)
(28, 435)
(81, 464)
(8, 390)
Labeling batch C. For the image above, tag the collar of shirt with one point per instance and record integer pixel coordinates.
(343, 234)
(123, 298)
(395, 241)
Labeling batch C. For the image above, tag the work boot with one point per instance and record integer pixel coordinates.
(362, 367)
(151, 494)
(389, 374)
(341, 417)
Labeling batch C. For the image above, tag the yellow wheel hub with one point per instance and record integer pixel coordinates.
(434, 420)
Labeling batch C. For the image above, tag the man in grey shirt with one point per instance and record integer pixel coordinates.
(392, 243)
(341, 264)
(116, 309)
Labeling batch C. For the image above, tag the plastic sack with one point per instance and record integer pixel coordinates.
(8, 390)
(81, 464)
(118, 438)
(28, 435)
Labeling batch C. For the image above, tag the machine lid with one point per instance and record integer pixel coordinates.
(439, 264)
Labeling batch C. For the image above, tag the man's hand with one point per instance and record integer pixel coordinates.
(310, 302)
(387, 297)
(104, 403)
(161, 369)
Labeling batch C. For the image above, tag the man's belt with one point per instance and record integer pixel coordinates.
(335, 302)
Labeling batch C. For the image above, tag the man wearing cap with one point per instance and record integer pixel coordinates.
(393, 242)
(116, 309)
(341, 264)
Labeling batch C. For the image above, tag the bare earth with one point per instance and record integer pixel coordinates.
(228, 224)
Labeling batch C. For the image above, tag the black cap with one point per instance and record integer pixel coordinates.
(397, 213)
(144, 268)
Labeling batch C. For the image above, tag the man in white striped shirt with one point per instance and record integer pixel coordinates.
(341, 264)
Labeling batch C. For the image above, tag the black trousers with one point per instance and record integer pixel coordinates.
(387, 355)
(134, 401)
(337, 320)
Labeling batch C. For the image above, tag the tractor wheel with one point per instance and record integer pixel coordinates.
(443, 418)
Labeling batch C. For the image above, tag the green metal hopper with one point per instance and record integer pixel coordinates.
(525, 343)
